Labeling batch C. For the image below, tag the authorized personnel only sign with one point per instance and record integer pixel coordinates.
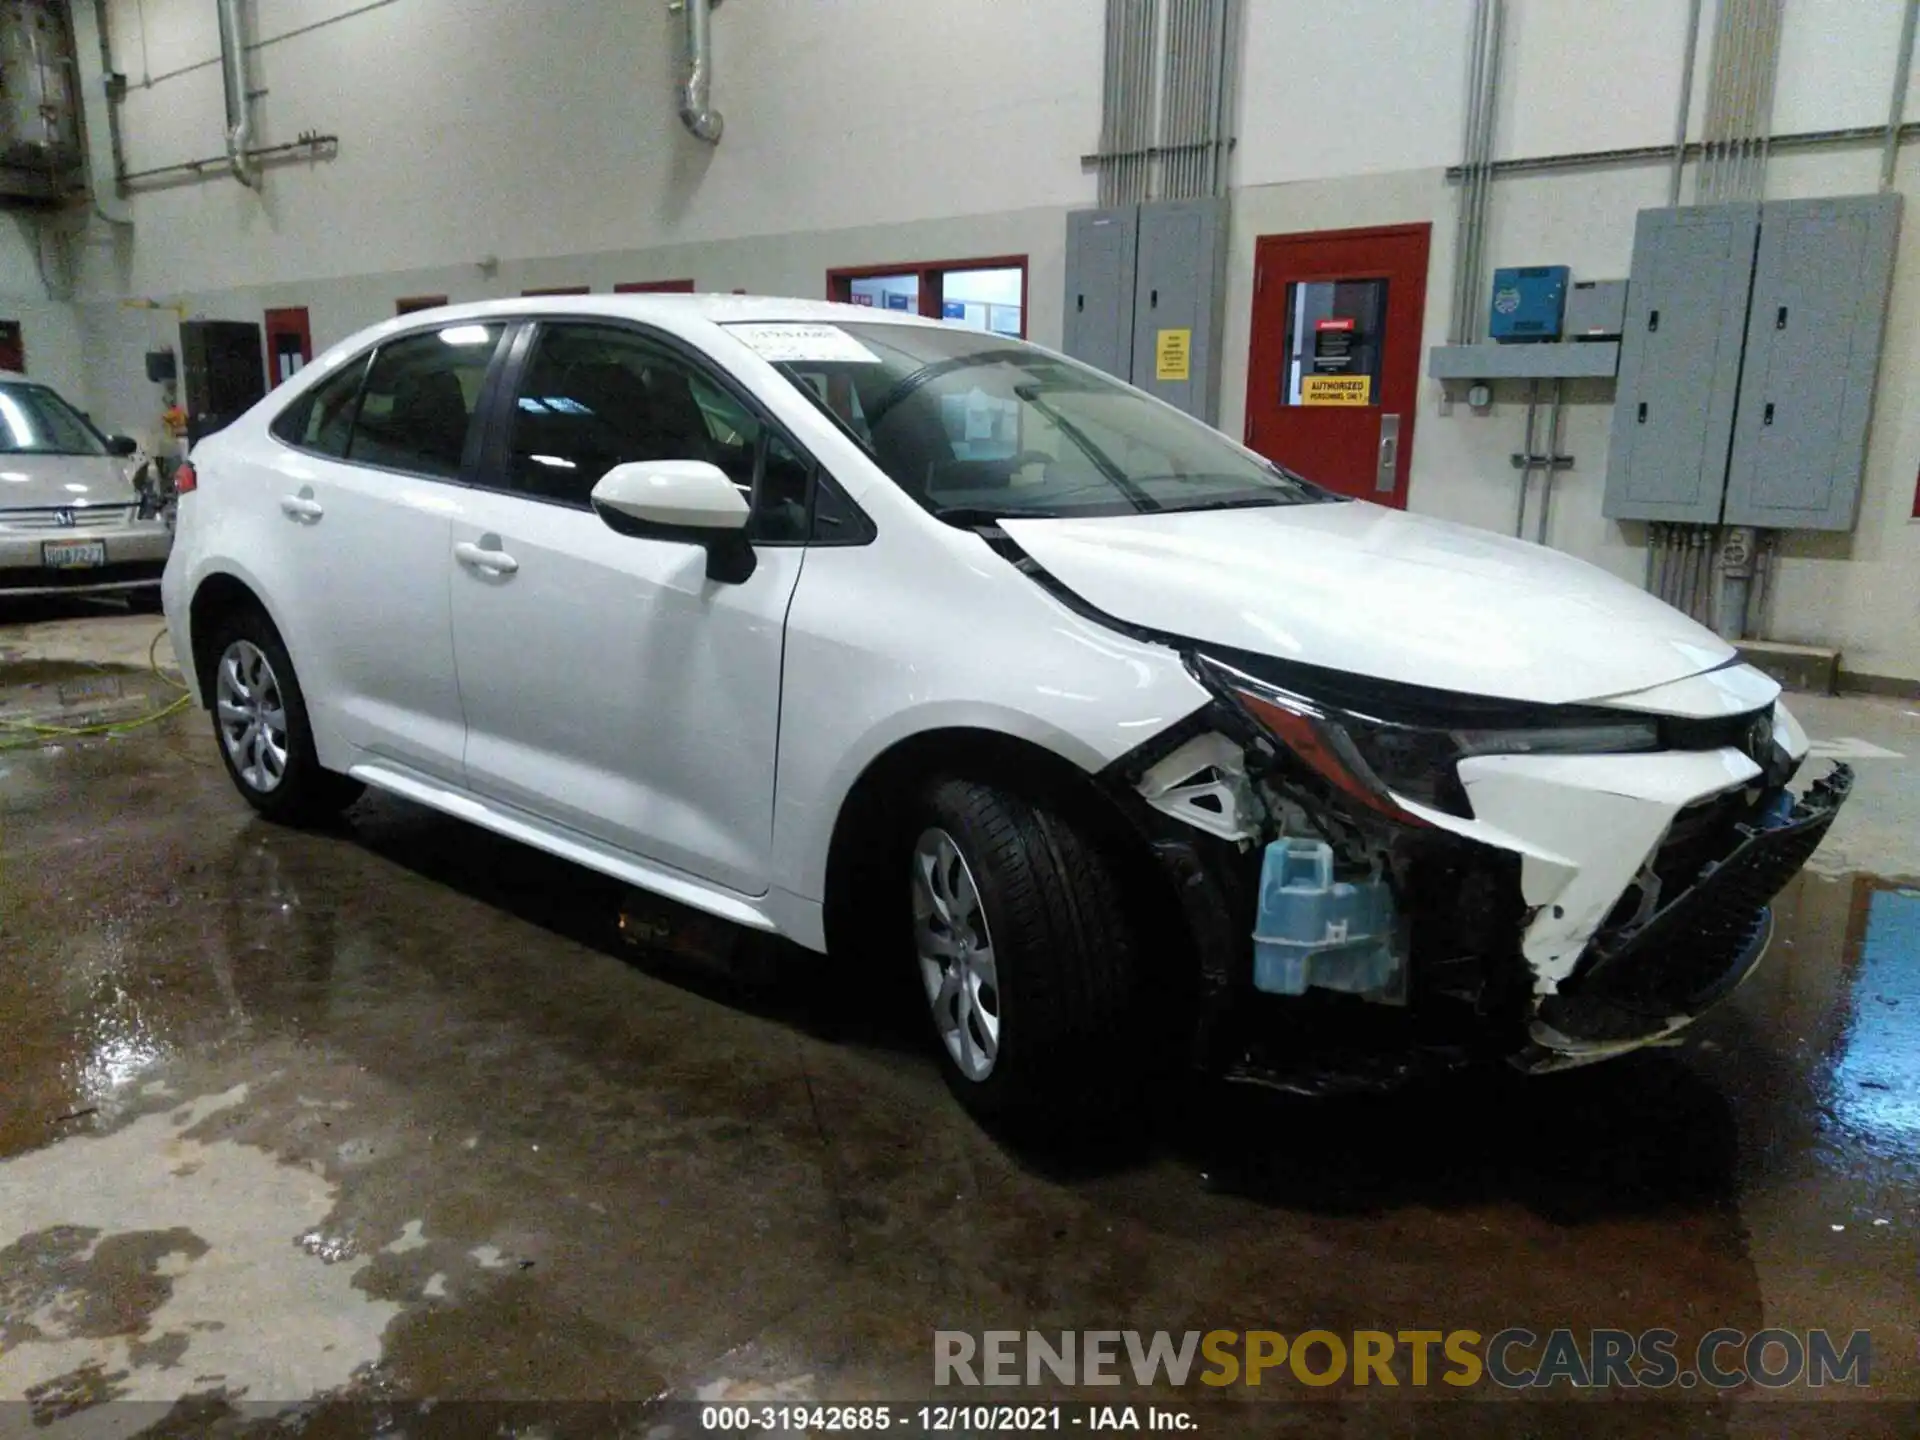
(1336, 389)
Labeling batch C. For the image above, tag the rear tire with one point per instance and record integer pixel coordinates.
(1030, 966)
(260, 725)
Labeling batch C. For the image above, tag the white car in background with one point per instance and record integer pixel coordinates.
(73, 517)
(932, 649)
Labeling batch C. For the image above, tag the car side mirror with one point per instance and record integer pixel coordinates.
(690, 502)
(122, 445)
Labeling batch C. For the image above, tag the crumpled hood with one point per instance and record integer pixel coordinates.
(29, 482)
(1381, 593)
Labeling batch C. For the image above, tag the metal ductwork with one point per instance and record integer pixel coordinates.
(703, 122)
(233, 70)
(94, 68)
(1175, 146)
(1740, 81)
(1486, 36)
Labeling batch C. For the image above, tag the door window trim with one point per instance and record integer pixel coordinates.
(516, 353)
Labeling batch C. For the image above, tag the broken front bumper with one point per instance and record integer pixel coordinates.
(1692, 952)
(1587, 905)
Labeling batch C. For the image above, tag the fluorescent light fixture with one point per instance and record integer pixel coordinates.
(465, 335)
(555, 462)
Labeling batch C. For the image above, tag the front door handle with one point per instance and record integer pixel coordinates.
(302, 506)
(1389, 458)
(496, 562)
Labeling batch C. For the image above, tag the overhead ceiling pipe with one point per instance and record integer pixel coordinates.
(95, 68)
(233, 71)
(703, 122)
(1896, 108)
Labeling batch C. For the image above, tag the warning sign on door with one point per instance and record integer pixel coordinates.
(1336, 389)
(1171, 354)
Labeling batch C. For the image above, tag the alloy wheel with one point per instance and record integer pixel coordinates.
(252, 716)
(957, 966)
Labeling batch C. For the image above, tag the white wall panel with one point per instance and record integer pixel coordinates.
(1836, 66)
(1582, 76)
(1350, 89)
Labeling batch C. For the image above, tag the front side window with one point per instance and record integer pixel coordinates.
(597, 396)
(322, 419)
(975, 427)
(35, 421)
(419, 399)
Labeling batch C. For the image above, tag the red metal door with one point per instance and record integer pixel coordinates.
(289, 342)
(1334, 367)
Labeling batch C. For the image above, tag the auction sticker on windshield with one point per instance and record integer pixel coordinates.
(783, 344)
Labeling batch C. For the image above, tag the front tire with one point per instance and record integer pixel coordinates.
(1027, 957)
(260, 723)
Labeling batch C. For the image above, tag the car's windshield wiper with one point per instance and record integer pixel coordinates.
(1239, 502)
(990, 514)
(1139, 498)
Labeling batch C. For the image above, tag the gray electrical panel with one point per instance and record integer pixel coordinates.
(1680, 363)
(1596, 310)
(1100, 272)
(1179, 281)
(1814, 326)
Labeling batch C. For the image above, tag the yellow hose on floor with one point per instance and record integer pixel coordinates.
(32, 736)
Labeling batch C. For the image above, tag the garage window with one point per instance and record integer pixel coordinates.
(988, 294)
(419, 399)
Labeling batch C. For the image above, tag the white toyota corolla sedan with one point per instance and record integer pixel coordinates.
(931, 649)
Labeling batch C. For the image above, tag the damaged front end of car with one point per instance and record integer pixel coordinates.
(1381, 880)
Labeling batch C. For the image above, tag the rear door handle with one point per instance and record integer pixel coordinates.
(496, 562)
(302, 506)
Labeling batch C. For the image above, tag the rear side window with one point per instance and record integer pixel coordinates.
(321, 419)
(419, 399)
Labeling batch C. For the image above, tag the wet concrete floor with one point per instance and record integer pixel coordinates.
(389, 1112)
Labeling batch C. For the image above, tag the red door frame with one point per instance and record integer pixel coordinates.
(559, 290)
(1406, 311)
(931, 275)
(407, 304)
(290, 321)
(656, 287)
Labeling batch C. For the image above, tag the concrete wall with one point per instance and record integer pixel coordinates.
(546, 128)
(488, 148)
(49, 327)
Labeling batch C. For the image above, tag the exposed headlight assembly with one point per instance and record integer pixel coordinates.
(1377, 759)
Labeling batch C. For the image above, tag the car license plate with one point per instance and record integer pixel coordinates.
(72, 554)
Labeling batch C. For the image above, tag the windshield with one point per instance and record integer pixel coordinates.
(976, 427)
(35, 421)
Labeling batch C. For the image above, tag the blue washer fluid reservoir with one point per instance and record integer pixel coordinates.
(1314, 930)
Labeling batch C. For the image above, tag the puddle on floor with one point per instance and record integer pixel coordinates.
(154, 1261)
